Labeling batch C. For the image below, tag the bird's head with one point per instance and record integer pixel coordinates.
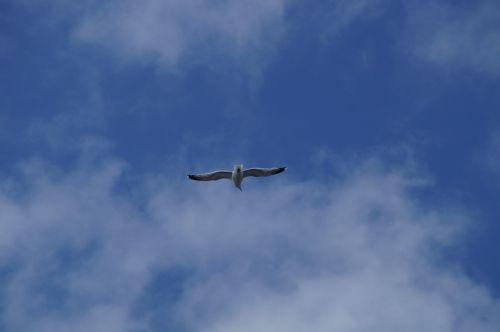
(238, 168)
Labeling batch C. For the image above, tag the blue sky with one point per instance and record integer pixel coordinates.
(386, 114)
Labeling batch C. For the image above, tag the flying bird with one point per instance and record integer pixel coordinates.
(237, 175)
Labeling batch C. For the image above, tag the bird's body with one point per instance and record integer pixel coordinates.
(237, 175)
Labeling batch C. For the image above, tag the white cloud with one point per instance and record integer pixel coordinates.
(174, 32)
(356, 254)
(456, 36)
(451, 36)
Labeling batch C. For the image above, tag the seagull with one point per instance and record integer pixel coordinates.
(237, 175)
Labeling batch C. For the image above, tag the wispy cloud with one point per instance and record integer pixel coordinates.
(451, 36)
(456, 36)
(357, 253)
(171, 33)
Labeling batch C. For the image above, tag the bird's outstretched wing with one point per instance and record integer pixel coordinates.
(262, 171)
(217, 175)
